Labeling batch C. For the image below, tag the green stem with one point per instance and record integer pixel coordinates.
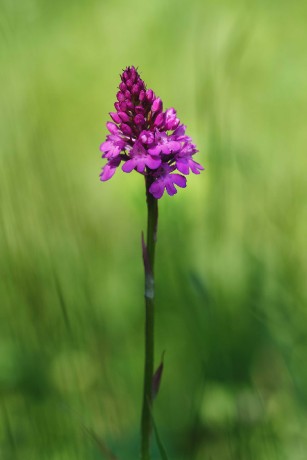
(149, 260)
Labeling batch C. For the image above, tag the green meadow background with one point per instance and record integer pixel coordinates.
(231, 256)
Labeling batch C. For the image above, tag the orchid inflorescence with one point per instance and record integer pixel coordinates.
(147, 139)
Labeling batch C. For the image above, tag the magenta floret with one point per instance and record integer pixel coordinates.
(147, 139)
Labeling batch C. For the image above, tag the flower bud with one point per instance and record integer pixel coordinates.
(115, 117)
(133, 74)
(135, 89)
(149, 95)
(126, 129)
(129, 105)
(171, 121)
(139, 119)
(120, 96)
(156, 105)
(112, 127)
(122, 107)
(172, 124)
(129, 83)
(159, 121)
(123, 116)
(122, 86)
(139, 109)
(142, 95)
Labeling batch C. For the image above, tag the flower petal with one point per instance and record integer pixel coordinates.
(155, 150)
(140, 164)
(129, 165)
(106, 146)
(108, 171)
(180, 130)
(153, 163)
(170, 188)
(195, 167)
(157, 189)
(183, 166)
(172, 146)
(179, 180)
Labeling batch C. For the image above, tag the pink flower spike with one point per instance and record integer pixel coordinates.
(146, 139)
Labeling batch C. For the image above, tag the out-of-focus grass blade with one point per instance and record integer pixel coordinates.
(158, 439)
(108, 455)
(103, 448)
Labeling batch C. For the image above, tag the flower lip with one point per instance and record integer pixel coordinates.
(109, 169)
(164, 144)
(112, 146)
(140, 159)
(166, 180)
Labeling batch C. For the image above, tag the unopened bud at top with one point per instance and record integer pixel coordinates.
(157, 105)
(149, 95)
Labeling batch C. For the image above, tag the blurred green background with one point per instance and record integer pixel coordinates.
(231, 256)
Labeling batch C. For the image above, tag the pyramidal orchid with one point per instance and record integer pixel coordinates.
(146, 139)
(153, 142)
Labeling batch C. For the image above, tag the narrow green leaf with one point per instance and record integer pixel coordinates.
(156, 379)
